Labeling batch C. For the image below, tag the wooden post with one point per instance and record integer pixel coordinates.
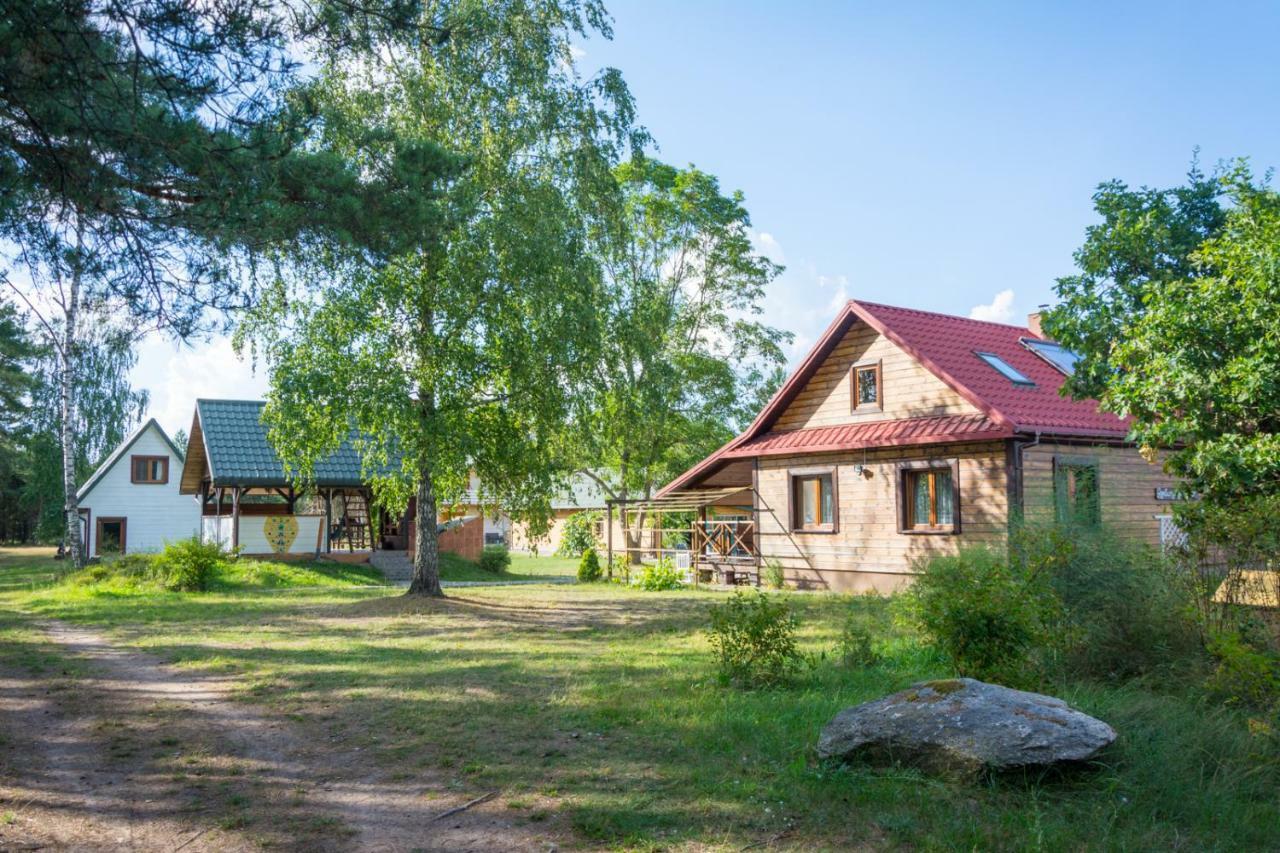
(328, 520)
(217, 518)
(608, 534)
(235, 517)
(204, 499)
(755, 516)
(699, 541)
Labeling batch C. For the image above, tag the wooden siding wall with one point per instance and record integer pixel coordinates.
(908, 389)
(867, 551)
(1126, 484)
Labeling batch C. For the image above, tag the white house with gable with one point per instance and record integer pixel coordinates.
(131, 503)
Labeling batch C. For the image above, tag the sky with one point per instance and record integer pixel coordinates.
(939, 156)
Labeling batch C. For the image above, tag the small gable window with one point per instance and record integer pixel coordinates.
(928, 498)
(1075, 490)
(813, 501)
(866, 387)
(149, 470)
(1007, 370)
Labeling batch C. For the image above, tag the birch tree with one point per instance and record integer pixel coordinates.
(461, 349)
(685, 360)
(148, 148)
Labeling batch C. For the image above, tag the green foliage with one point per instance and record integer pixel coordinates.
(1245, 673)
(589, 568)
(189, 565)
(1146, 239)
(985, 616)
(622, 566)
(774, 575)
(495, 559)
(579, 534)
(659, 576)
(684, 359)
(754, 638)
(854, 647)
(1192, 356)
(129, 570)
(1121, 609)
(462, 349)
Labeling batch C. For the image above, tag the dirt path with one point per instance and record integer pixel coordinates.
(126, 752)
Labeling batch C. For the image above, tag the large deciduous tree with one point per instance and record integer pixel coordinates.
(459, 350)
(1199, 366)
(146, 145)
(1147, 238)
(685, 360)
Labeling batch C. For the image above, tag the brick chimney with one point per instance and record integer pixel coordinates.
(1033, 325)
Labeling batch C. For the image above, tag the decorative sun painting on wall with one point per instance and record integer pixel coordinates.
(281, 531)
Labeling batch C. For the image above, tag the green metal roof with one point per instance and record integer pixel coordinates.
(239, 453)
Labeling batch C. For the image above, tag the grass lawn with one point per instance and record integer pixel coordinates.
(543, 566)
(598, 707)
(523, 568)
(26, 566)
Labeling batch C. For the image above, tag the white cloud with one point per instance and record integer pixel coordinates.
(577, 53)
(804, 301)
(176, 376)
(766, 244)
(999, 310)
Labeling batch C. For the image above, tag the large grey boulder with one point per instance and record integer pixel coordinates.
(962, 727)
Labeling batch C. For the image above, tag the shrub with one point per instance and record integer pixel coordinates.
(1124, 609)
(754, 638)
(660, 575)
(189, 565)
(495, 559)
(984, 616)
(1232, 556)
(589, 567)
(1245, 673)
(622, 569)
(579, 534)
(774, 575)
(854, 646)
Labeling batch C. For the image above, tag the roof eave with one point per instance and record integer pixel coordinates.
(909, 441)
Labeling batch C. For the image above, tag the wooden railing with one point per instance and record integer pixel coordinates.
(725, 539)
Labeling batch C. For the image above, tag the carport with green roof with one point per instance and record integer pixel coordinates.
(234, 469)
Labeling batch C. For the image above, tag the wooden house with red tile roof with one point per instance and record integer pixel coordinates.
(904, 434)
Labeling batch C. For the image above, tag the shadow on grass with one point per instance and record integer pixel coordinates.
(604, 703)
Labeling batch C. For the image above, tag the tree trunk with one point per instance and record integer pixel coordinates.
(426, 551)
(66, 431)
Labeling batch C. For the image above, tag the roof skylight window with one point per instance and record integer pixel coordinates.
(1062, 359)
(1007, 370)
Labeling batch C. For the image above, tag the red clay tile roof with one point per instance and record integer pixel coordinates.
(931, 430)
(946, 345)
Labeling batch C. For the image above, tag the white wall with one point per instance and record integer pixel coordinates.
(154, 514)
(253, 536)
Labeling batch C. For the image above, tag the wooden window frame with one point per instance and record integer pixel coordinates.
(133, 470)
(878, 405)
(1067, 462)
(905, 503)
(124, 533)
(794, 474)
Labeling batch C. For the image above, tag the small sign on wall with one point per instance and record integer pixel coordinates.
(1166, 493)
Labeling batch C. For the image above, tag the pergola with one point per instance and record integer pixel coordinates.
(230, 456)
(720, 546)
